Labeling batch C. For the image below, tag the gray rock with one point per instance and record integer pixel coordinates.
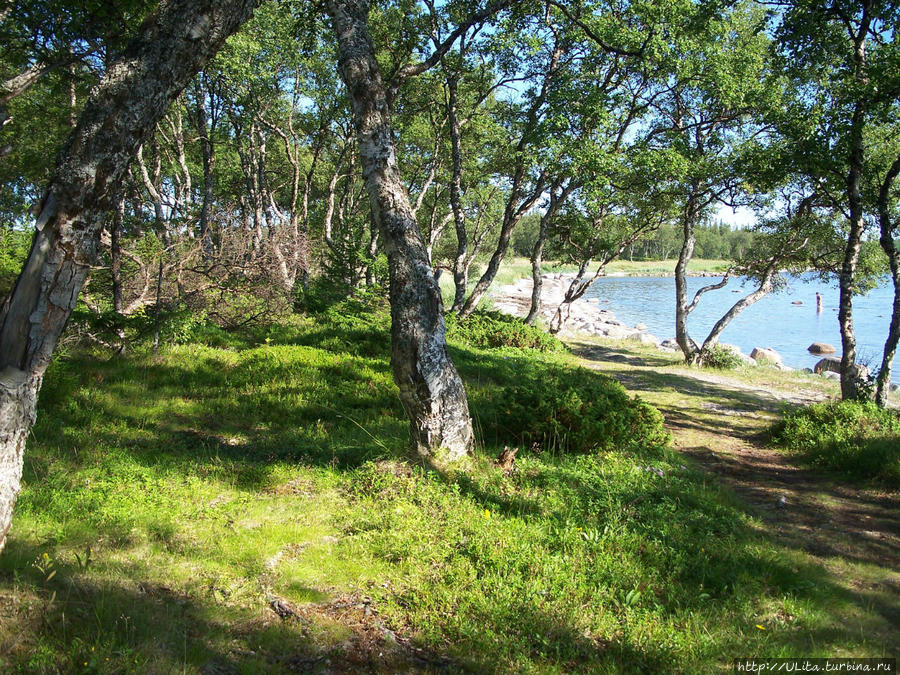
(821, 348)
(832, 364)
(808, 370)
(895, 387)
(669, 343)
(766, 354)
(831, 375)
(640, 326)
(829, 364)
(644, 338)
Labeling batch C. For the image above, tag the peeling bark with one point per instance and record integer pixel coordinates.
(430, 388)
(132, 97)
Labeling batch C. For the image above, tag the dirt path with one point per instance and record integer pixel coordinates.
(722, 423)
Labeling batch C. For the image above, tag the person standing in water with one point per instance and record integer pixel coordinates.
(818, 303)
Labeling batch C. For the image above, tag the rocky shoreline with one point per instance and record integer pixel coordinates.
(588, 316)
(585, 316)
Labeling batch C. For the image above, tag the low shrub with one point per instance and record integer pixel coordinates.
(858, 440)
(722, 358)
(564, 409)
(495, 329)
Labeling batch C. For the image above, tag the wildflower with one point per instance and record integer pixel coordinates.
(760, 627)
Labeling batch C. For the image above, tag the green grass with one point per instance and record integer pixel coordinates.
(208, 480)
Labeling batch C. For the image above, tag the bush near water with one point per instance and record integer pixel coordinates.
(857, 440)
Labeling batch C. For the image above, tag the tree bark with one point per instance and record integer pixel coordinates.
(765, 287)
(537, 280)
(206, 124)
(537, 252)
(115, 250)
(132, 97)
(682, 337)
(850, 378)
(460, 268)
(849, 373)
(883, 382)
(430, 388)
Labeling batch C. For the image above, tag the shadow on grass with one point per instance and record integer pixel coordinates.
(71, 623)
(232, 417)
(856, 525)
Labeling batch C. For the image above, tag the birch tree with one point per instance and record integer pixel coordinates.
(134, 94)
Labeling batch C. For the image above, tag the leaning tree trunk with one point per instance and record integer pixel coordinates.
(883, 382)
(682, 337)
(132, 97)
(537, 281)
(460, 266)
(430, 388)
(765, 287)
(537, 252)
(850, 388)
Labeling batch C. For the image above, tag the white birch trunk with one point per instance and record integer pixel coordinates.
(132, 97)
(430, 388)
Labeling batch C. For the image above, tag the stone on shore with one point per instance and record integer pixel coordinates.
(832, 364)
(644, 338)
(640, 326)
(821, 348)
(767, 354)
(829, 364)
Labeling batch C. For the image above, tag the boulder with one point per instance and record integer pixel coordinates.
(829, 364)
(832, 364)
(616, 331)
(821, 348)
(644, 338)
(640, 326)
(766, 354)
(831, 375)
(669, 343)
(895, 387)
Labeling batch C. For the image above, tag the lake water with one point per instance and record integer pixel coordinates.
(772, 322)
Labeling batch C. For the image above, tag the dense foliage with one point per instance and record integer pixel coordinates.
(495, 329)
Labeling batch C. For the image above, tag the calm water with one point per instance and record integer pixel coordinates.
(772, 322)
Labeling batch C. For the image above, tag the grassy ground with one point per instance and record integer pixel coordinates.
(247, 508)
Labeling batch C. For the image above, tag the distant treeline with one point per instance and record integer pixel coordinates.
(715, 241)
